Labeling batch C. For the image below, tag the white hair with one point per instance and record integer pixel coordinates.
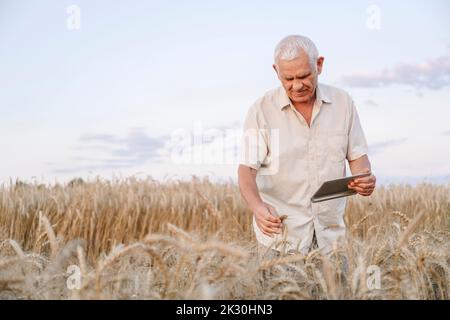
(291, 46)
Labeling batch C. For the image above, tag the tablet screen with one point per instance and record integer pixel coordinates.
(333, 189)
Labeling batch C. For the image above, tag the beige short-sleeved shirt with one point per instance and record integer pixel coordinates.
(293, 160)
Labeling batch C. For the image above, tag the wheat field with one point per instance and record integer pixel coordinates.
(144, 239)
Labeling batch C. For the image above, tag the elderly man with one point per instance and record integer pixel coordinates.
(296, 137)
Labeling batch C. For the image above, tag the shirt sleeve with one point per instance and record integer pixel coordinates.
(357, 144)
(254, 142)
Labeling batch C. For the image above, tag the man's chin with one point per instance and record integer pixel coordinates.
(301, 99)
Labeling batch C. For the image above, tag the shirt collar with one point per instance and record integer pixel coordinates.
(321, 95)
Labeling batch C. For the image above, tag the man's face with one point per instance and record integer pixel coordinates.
(298, 78)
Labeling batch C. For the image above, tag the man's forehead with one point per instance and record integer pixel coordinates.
(297, 65)
(295, 70)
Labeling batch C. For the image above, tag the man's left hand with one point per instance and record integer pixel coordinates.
(365, 185)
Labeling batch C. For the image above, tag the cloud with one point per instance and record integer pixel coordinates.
(446, 133)
(108, 151)
(380, 146)
(137, 148)
(108, 138)
(371, 103)
(432, 74)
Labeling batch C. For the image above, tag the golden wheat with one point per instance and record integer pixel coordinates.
(193, 240)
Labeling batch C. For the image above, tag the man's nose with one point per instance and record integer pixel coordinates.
(297, 85)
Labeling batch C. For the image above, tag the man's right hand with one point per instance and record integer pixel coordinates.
(267, 219)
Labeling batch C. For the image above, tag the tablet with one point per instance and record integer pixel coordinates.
(333, 189)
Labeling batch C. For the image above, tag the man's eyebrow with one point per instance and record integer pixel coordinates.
(300, 76)
(304, 75)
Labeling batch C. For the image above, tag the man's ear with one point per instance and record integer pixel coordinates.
(320, 64)
(274, 66)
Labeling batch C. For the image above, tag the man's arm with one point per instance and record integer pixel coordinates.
(364, 186)
(265, 215)
(248, 187)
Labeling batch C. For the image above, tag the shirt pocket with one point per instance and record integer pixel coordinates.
(336, 146)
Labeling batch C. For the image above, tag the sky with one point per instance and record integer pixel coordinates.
(114, 89)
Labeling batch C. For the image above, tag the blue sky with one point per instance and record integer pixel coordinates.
(106, 99)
